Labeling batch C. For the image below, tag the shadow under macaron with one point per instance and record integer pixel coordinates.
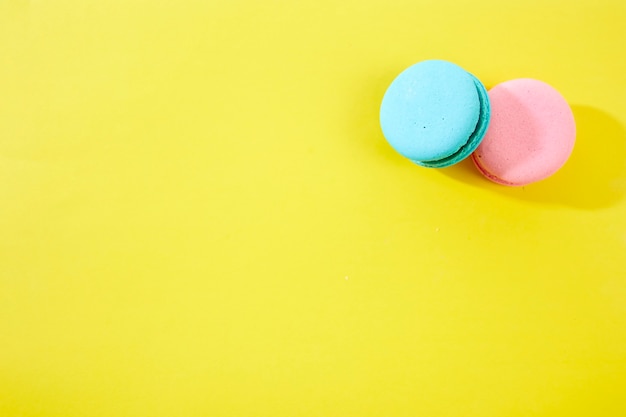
(594, 176)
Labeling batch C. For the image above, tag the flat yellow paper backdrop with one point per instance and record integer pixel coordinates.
(199, 215)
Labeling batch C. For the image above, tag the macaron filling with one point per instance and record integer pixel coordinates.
(474, 139)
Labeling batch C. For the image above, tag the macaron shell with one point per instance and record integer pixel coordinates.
(530, 136)
(430, 110)
(475, 138)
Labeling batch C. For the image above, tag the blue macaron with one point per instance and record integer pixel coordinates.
(435, 113)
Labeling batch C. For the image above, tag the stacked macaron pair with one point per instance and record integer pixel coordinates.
(436, 114)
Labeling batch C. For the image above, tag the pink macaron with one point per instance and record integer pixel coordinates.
(531, 134)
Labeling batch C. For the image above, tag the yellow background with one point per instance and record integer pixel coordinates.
(199, 215)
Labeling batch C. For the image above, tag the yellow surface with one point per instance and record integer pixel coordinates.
(199, 215)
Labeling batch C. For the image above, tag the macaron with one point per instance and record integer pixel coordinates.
(435, 113)
(531, 134)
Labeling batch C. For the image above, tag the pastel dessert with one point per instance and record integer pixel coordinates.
(435, 113)
(530, 136)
